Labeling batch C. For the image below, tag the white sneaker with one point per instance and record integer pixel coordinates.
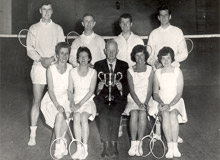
(78, 152)
(169, 153)
(139, 150)
(132, 150)
(32, 141)
(176, 152)
(179, 140)
(84, 151)
(64, 146)
(58, 151)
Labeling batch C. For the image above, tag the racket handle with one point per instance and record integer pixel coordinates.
(64, 115)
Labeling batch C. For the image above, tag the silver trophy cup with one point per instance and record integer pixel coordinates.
(110, 80)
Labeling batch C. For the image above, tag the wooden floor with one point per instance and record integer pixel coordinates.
(201, 134)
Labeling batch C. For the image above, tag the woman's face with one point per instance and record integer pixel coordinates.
(140, 58)
(166, 60)
(83, 58)
(63, 55)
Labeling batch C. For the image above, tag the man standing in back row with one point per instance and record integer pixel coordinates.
(127, 39)
(88, 38)
(45, 35)
(166, 35)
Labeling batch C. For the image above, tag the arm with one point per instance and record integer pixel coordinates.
(150, 49)
(132, 92)
(182, 52)
(31, 43)
(51, 91)
(60, 35)
(70, 90)
(91, 90)
(102, 49)
(179, 89)
(156, 90)
(74, 48)
(150, 88)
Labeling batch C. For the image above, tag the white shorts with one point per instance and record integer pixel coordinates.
(38, 74)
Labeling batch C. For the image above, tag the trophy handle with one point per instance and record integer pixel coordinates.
(121, 76)
(100, 73)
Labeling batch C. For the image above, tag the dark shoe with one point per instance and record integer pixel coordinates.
(114, 149)
(106, 149)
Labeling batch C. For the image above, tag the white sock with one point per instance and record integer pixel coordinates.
(33, 131)
(176, 152)
(132, 150)
(169, 153)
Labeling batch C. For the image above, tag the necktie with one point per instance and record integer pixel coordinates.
(111, 70)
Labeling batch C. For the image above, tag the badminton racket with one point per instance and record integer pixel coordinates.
(186, 43)
(73, 145)
(27, 39)
(71, 36)
(151, 144)
(149, 49)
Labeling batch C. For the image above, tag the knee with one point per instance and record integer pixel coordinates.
(142, 116)
(84, 118)
(59, 116)
(173, 117)
(134, 114)
(76, 117)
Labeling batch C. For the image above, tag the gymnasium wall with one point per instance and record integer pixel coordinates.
(201, 67)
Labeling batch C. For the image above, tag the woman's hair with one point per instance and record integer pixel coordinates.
(83, 49)
(62, 45)
(164, 52)
(137, 49)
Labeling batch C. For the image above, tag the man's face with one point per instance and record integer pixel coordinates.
(164, 17)
(46, 11)
(88, 23)
(125, 25)
(111, 51)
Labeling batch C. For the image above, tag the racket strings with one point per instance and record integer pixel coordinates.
(71, 36)
(151, 144)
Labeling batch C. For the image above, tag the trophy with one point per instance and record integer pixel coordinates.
(110, 80)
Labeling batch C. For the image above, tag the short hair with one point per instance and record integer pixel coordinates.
(46, 3)
(126, 15)
(88, 14)
(83, 49)
(164, 52)
(111, 41)
(62, 45)
(137, 49)
(163, 8)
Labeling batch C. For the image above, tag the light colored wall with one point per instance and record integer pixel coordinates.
(5, 17)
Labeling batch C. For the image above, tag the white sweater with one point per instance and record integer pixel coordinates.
(171, 37)
(42, 39)
(94, 42)
(125, 47)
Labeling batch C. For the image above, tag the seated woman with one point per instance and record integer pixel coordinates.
(140, 80)
(168, 88)
(82, 83)
(55, 101)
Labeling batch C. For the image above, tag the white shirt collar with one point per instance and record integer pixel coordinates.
(113, 64)
(46, 24)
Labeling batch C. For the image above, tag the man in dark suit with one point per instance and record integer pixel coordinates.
(110, 114)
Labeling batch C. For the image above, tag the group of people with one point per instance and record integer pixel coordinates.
(151, 83)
